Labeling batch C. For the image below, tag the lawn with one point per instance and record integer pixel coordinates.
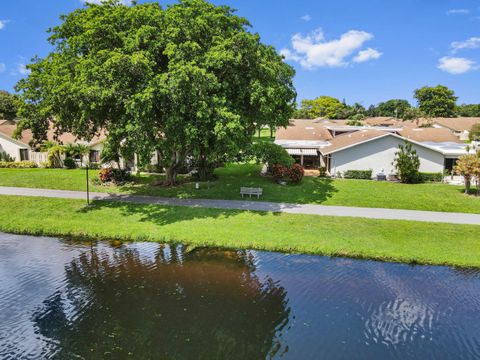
(365, 193)
(403, 241)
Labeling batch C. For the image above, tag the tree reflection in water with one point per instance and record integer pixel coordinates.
(206, 304)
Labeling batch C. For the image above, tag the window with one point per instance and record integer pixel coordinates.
(24, 155)
(94, 156)
(450, 164)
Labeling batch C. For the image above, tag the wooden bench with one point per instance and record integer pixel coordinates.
(251, 191)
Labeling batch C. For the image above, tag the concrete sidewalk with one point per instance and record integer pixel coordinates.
(311, 209)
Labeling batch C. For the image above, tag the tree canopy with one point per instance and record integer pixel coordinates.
(468, 110)
(323, 106)
(189, 80)
(394, 108)
(9, 104)
(438, 101)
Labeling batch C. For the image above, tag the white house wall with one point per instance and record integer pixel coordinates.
(11, 148)
(379, 155)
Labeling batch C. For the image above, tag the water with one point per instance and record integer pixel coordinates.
(66, 300)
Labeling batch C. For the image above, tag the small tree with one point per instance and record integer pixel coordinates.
(413, 114)
(356, 120)
(407, 163)
(468, 166)
(272, 154)
(474, 134)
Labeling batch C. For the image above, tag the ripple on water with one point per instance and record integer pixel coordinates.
(62, 299)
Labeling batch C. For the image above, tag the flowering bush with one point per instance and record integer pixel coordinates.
(279, 171)
(18, 164)
(111, 175)
(296, 172)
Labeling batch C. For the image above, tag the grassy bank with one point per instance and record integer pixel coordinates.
(365, 193)
(402, 241)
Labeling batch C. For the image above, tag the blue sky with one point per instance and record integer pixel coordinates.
(361, 51)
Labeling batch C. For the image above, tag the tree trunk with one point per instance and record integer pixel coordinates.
(271, 132)
(171, 176)
(467, 185)
(172, 170)
(202, 168)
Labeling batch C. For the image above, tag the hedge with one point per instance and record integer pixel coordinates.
(18, 164)
(431, 177)
(358, 174)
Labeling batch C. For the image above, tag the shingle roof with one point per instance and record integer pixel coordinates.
(7, 129)
(381, 120)
(304, 129)
(351, 139)
(457, 124)
(429, 134)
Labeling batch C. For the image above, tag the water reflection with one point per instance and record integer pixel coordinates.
(63, 300)
(163, 302)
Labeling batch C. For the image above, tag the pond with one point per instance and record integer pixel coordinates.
(64, 299)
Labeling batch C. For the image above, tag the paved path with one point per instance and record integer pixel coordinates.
(373, 213)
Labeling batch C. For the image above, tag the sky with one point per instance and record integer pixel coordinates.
(360, 51)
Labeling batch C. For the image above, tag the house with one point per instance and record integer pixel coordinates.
(340, 148)
(375, 150)
(303, 139)
(21, 150)
(460, 126)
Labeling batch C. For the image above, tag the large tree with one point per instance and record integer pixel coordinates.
(188, 81)
(393, 107)
(438, 101)
(323, 106)
(8, 105)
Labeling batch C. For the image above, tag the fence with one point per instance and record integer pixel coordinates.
(38, 157)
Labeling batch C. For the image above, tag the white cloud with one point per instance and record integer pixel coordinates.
(290, 55)
(313, 50)
(366, 55)
(22, 69)
(456, 65)
(124, 2)
(3, 67)
(306, 17)
(458, 12)
(3, 23)
(472, 43)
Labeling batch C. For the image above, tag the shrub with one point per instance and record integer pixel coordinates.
(322, 171)
(54, 158)
(358, 174)
(18, 164)
(272, 154)
(431, 177)
(94, 166)
(111, 175)
(69, 163)
(295, 173)
(5, 157)
(407, 163)
(279, 171)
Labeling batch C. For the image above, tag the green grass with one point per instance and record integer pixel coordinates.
(403, 241)
(365, 193)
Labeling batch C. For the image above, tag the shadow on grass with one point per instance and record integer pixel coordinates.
(317, 190)
(162, 214)
(228, 183)
(472, 192)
